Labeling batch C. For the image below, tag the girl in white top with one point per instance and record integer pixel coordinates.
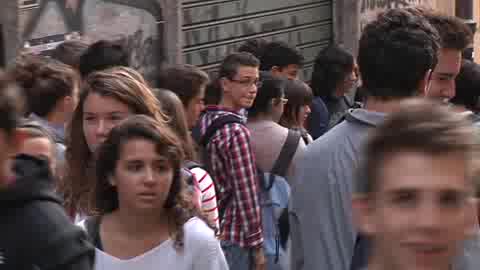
(145, 221)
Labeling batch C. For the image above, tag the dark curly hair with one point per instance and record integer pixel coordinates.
(45, 81)
(280, 54)
(395, 53)
(331, 67)
(178, 206)
(454, 33)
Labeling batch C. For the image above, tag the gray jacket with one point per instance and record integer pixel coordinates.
(323, 235)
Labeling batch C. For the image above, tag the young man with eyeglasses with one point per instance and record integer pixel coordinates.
(231, 162)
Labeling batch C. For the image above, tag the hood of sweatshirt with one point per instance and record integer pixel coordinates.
(33, 182)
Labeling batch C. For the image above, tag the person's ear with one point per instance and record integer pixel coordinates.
(67, 104)
(18, 137)
(363, 213)
(425, 83)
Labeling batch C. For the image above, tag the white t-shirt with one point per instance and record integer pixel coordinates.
(201, 251)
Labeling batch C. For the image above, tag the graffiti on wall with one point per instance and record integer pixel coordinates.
(370, 8)
(71, 11)
(143, 56)
(85, 17)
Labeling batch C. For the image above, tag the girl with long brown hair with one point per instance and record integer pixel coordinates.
(145, 219)
(107, 98)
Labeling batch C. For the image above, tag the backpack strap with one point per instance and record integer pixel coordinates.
(217, 124)
(190, 164)
(287, 153)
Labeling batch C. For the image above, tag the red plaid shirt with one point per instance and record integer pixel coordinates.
(235, 176)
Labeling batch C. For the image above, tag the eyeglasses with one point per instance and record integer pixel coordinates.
(248, 83)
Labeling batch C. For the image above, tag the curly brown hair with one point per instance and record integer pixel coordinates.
(454, 33)
(45, 82)
(124, 85)
(179, 208)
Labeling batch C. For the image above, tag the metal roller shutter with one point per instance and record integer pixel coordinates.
(213, 29)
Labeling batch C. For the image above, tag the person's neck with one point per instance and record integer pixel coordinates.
(378, 261)
(140, 224)
(382, 106)
(56, 118)
(229, 104)
(262, 118)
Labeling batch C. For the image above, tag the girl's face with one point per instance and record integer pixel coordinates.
(100, 115)
(142, 177)
(303, 114)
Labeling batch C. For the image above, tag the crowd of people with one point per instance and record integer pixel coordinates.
(371, 164)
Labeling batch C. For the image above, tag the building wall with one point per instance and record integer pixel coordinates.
(477, 36)
(197, 32)
(41, 25)
(213, 29)
(353, 15)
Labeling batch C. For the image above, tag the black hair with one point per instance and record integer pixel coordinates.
(102, 55)
(271, 88)
(331, 67)
(254, 46)
(213, 93)
(468, 86)
(280, 54)
(231, 64)
(69, 52)
(395, 53)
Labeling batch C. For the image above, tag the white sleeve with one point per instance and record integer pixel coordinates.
(209, 197)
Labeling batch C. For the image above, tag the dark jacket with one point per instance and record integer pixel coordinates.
(35, 232)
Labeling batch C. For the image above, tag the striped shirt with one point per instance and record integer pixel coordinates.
(233, 169)
(208, 198)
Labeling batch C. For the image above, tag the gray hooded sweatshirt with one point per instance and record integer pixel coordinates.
(322, 231)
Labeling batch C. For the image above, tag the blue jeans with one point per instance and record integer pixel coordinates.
(238, 258)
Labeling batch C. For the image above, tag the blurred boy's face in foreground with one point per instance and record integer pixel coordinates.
(420, 211)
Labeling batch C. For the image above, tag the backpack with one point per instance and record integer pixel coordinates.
(274, 197)
(203, 142)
